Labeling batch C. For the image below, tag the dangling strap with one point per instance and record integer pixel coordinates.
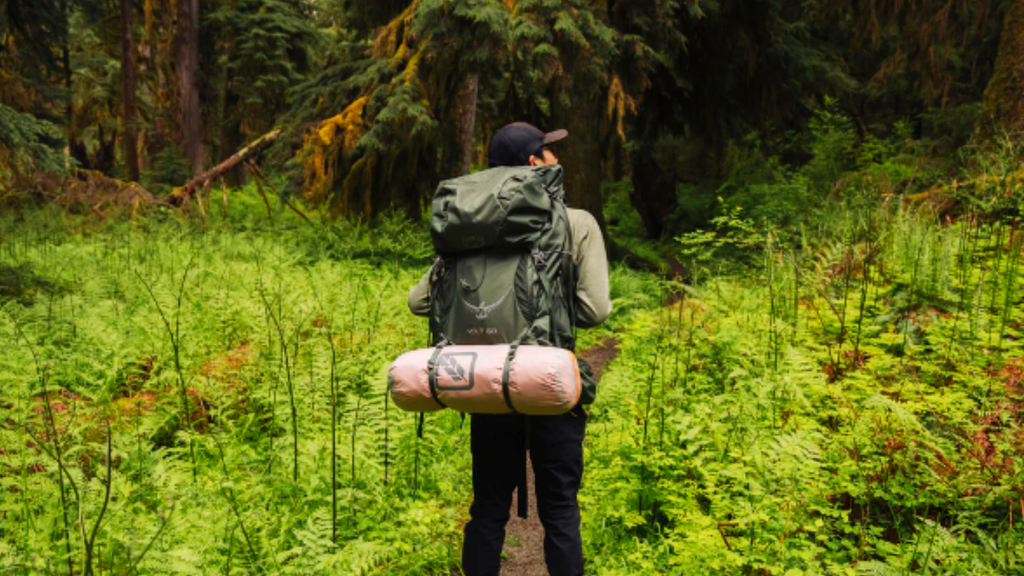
(432, 371)
(540, 260)
(505, 375)
(569, 269)
(419, 426)
(523, 488)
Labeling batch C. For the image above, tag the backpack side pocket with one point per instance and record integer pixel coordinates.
(587, 382)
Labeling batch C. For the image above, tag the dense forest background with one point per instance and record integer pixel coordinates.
(211, 212)
(379, 100)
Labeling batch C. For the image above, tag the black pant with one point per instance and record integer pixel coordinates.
(556, 451)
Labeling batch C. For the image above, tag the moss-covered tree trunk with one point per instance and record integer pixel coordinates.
(466, 117)
(1004, 96)
(188, 78)
(581, 153)
(129, 121)
(653, 193)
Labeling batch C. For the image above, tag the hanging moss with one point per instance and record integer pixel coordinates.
(325, 148)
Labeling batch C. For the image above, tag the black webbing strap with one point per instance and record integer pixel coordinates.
(523, 490)
(505, 375)
(432, 372)
(523, 497)
(419, 426)
(570, 270)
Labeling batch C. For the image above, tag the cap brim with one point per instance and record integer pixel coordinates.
(552, 137)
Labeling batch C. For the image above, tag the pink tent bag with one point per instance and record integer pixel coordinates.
(492, 379)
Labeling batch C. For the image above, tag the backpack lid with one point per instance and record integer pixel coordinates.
(499, 207)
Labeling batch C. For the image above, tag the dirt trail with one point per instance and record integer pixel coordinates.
(524, 539)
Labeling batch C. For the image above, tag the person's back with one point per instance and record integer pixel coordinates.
(555, 442)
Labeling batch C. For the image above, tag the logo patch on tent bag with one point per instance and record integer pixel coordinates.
(455, 370)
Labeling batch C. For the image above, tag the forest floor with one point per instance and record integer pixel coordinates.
(746, 425)
(524, 538)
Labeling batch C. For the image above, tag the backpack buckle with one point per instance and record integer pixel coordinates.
(540, 259)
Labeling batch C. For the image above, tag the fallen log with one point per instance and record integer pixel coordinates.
(182, 195)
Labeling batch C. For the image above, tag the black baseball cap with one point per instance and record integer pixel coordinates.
(513, 144)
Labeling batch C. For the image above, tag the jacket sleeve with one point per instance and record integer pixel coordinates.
(419, 296)
(593, 302)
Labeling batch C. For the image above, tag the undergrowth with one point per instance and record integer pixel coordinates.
(843, 396)
(181, 400)
(236, 370)
(839, 393)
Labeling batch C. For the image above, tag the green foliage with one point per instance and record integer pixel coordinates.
(784, 66)
(389, 104)
(267, 49)
(832, 146)
(169, 170)
(210, 488)
(759, 425)
(39, 26)
(844, 176)
(625, 225)
(632, 293)
(547, 36)
(840, 398)
(732, 237)
(28, 144)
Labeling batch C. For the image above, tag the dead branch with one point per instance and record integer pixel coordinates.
(181, 195)
(261, 176)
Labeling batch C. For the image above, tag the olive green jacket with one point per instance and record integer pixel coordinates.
(593, 303)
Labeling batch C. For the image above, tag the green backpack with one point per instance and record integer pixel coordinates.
(505, 271)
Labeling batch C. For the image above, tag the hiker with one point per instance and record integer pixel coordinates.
(555, 442)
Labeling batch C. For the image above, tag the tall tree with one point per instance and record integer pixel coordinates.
(563, 52)
(398, 100)
(1004, 96)
(715, 72)
(929, 52)
(263, 49)
(69, 96)
(417, 87)
(128, 119)
(465, 111)
(32, 36)
(188, 82)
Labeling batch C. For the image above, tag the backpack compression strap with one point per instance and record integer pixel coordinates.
(432, 371)
(505, 374)
(521, 488)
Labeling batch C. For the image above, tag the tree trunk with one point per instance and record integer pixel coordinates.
(69, 98)
(580, 154)
(231, 137)
(188, 78)
(129, 122)
(466, 115)
(653, 194)
(158, 137)
(1004, 96)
